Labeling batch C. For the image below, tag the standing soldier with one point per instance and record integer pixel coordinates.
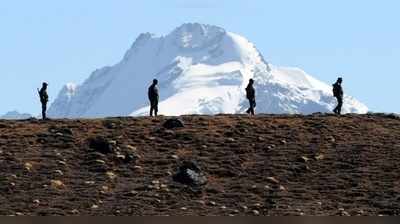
(44, 98)
(338, 93)
(251, 96)
(153, 97)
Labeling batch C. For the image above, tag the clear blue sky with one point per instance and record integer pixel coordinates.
(63, 41)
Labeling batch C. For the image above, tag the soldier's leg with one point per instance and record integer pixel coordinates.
(156, 108)
(44, 108)
(337, 106)
(340, 105)
(253, 105)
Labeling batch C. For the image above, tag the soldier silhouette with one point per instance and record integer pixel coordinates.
(44, 99)
(338, 93)
(251, 96)
(153, 97)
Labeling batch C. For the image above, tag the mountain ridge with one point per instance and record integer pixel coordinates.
(202, 69)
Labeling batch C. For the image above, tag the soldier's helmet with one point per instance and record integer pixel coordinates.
(45, 84)
(155, 81)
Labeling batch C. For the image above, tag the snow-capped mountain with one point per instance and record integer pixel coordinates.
(15, 115)
(201, 69)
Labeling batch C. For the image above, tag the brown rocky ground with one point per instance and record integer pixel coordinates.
(266, 165)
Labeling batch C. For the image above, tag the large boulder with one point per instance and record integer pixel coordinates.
(173, 123)
(100, 144)
(189, 173)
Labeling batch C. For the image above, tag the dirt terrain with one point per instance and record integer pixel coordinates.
(264, 165)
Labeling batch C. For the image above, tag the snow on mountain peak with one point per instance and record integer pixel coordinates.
(197, 36)
(202, 69)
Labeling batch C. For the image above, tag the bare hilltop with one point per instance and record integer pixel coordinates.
(202, 165)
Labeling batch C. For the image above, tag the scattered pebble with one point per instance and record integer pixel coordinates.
(57, 184)
(138, 168)
(62, 163)
(90, 182)
(304, 159)
(111, 175)
(28, 166)
(175, 157)
(213, 203)
(273, 180)
(75, 211)
(59, 172)
(258, 205)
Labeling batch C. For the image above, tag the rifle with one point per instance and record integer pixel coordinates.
(40, 95)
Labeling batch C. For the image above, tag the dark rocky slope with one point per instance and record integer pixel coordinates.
(267, 165)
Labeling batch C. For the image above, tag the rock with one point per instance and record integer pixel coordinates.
(133, 193)
(304, 159)
(36, 201)
(90, 182)
(60, 131)
(201, 202)
(169, 132)
(173, 123)
(75, 212)
(138, 168)
(255, 212)
(155, 182)
(28, 166)
(282, 188)
(257, 205)
(319, 157)
(175, 157)
(62, 163)
(190, 174)
(100, 144)
(95, 206)
(131, 148)
(59, 172)
(112, 142)
(331, 139)
(111, 175)
(57, 184)
(230, 140)
(212, 203)
(271, 147)
(100, 162)
(273, 180)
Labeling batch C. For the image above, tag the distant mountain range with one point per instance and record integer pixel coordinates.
(202, 69)
(15, 115)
